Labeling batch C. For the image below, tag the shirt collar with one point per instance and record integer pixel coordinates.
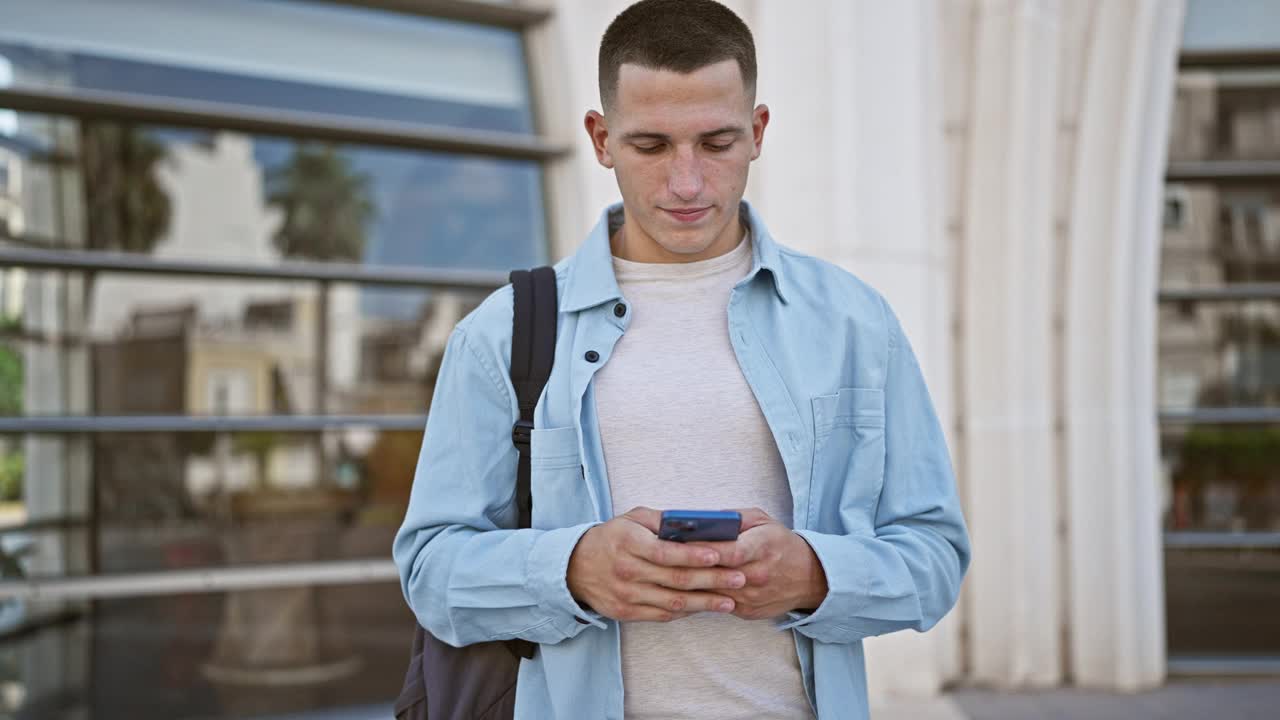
(590, 280)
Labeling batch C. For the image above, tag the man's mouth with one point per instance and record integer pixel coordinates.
(687, 215)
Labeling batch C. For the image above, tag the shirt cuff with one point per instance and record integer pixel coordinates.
(548, 565)
(844, 596)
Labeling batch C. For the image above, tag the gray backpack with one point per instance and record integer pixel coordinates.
(478, 682)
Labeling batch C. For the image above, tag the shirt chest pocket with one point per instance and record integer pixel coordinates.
(559, 489)
(848, 457)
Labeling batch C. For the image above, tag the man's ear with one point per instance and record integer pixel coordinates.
(759, 120)
(598, 131)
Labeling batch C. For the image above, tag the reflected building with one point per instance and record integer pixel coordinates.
(11, 205)
(1214, 354)
(165, 347)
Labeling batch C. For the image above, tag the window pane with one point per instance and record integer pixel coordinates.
(1222, 602)
(314, 57)
(1216, 354)
(1226, 114)
(337, 651)
(184, 500)
(147, 345)
(1222, 478)
(1215, 235)
(153, 345)
(233, 197)
(390, 353)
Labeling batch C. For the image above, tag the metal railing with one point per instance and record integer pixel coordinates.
(325, 272)
(1234, 292)
(1207, 540)
(510, 15)
(63, 425)
(1221, 416)
(222, 579)
(132, 107)
(1223, 170)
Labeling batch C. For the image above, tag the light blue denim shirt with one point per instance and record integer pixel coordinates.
(871, 481)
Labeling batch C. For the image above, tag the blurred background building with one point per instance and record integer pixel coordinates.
(234, 237)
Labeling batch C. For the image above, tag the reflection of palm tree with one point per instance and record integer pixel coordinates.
(127, 208)
(326, 204)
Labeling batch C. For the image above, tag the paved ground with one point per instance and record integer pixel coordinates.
(1180, 700)
(943, 708)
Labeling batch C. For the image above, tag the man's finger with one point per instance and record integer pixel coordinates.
(757, 573)
(680, 602)
(691, 578)
(736, 553)
(646, 516)
(646, 613)
(752, 517)
(673, 554)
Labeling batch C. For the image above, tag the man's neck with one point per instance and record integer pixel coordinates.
(630, 242)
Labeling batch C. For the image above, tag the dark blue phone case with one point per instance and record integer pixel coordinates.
(704, 525)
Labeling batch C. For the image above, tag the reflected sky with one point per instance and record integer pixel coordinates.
(1234, 25)
(100, 73)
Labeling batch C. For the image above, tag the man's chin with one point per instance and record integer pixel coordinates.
(687, 243)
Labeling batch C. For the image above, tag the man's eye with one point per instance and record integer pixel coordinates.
(649, 149)
(718, 148)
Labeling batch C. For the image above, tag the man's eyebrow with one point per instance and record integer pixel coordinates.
(726, 130)
(645, 136)
(663, 137)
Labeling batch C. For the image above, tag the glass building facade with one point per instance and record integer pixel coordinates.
(234, 237)
(1219, 340)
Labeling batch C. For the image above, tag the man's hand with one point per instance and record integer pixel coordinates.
(783, 573)
(623, 571)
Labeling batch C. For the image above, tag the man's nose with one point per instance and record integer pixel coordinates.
(685, 175)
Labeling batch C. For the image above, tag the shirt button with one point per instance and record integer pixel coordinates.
(592, 356)
(619, 310)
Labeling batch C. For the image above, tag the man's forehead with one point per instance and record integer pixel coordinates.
(701, 101)
(718, 81)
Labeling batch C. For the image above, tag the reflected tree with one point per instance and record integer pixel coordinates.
(126, 207)
(11, 381)
(12, 467)
(327, 206)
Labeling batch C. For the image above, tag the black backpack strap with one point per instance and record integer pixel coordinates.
(533, 351)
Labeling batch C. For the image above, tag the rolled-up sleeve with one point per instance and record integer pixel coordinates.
(466, 575)
(908, 573)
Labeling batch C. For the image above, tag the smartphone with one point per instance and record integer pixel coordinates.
(705, 525)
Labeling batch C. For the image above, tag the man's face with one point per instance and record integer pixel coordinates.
(680, 146)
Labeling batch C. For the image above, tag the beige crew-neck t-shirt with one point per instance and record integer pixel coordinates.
(681, 429)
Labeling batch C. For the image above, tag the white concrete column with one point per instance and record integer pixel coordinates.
(1010, 470)
(563, 61)
(1117, 631)
(957, 37)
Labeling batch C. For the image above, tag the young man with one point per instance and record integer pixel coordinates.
(699, 365)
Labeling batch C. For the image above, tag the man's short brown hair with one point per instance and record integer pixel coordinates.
(676, 35)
